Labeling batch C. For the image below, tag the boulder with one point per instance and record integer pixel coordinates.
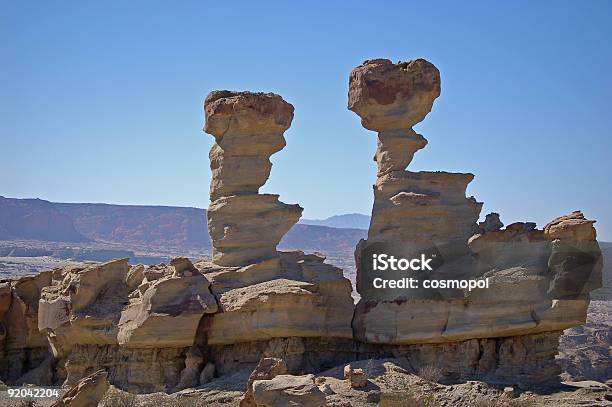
(267, 368)
(87, 392)
(168, 312)
(288, 390)
(571, 227)
(356, 377)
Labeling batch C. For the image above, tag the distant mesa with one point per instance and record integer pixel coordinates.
(36, 219)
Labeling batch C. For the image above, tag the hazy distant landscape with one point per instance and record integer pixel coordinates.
(36, 234)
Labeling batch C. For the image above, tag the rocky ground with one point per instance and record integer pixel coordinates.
(584, 351)
(391, 384)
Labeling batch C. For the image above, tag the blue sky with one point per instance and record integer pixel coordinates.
(102, 101)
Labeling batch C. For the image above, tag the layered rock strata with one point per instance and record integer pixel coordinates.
(532, 273)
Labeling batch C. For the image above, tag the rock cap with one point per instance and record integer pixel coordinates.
(390, 96)
(572, 227)
(246, 113)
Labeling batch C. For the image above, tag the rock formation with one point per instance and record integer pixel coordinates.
(289, 315)
(288, 390)
(136, 323)
(245, 227)
(262, 293)
(22, 346)
(87, 392)
(531, 278)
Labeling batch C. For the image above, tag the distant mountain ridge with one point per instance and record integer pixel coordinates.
(151, 226)
(348, 221)
(36, 219)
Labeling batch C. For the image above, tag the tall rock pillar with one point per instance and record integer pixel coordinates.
(262, 293)
(245, 226)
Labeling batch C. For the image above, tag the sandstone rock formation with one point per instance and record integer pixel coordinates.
(531, 278)
(245, 227)
(166, 312)
(262, 293)
(267, 369)
(288, 390)
(355, 377)
(87, 392)
(22, 346)
(199, 330)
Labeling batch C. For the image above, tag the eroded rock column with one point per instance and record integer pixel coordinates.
(245, 226)
(409, 206)
(262, 293)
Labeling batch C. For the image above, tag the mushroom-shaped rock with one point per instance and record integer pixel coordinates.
(390, 96)
(249, 113)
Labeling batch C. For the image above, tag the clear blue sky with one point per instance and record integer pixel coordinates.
(102, 101)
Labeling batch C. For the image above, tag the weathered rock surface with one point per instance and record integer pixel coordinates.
(87, 392)
(391, 96)
(288, 390)
(135, 370)
(168, 312)
(22, 346)
(356, 377)
(298, 295)
(571, 227)
(262, 293)
(245, 227)
(538, 280)
(267, 368)
(393, 383)
(585, 351)
(199, 330)
(83, 306)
